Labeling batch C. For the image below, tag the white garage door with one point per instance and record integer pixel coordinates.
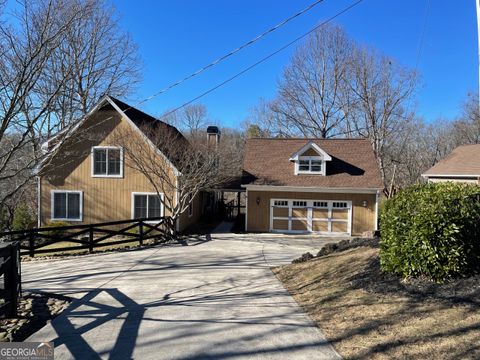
(303, 216)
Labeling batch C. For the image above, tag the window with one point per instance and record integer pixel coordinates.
(107, 161)
(67, 205)
(320, 204)
(299, 204)
(340, 205)
(147, 205)
(309, 165)
(190, 205)
(283, 203)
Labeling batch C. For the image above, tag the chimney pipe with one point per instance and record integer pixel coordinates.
(213, 136)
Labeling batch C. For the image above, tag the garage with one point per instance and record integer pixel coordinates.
(329, 217)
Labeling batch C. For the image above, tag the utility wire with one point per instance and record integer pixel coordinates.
(264, 59)
(233, 52)
(422, 36)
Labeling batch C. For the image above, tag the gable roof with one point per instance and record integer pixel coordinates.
(353, 164)
(147, 126)
(462, 161)
(311, 145)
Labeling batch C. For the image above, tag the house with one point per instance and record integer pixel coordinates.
(84, 178)
(462, 165)
(325, 186)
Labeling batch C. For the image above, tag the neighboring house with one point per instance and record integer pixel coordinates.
(85, 179)
(330, 187)
(462, 165)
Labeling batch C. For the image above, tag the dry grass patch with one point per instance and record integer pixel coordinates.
(367, 314)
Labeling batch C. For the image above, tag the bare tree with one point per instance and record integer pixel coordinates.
(96, 57)
(383, 92)
(56, 58)
(312, 96)
(193, 119)
(199, 167)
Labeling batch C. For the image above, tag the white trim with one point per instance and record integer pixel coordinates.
(39, 201)
(311, 145)
(309, 206)
(69, 131)
(451, 176)
(246, 210)
(376, 210)
(92, 161)
(329, 190)
(323, 165)
(162, 205)
(190, 205)
(53, 192)
(177, 203)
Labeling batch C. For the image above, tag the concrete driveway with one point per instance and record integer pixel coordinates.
(209, 300)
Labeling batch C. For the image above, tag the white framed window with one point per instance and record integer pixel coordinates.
(310, 165)
(280, 203)
(107, 161)
(147, 205)
(340, 205)
(67, 205)
(190, 205)
(320, 204)
(299, 203)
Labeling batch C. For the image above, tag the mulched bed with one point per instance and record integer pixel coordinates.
(464, 291)
(35, 311)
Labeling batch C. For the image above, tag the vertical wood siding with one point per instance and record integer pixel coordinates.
(363, 218)
(104, 199)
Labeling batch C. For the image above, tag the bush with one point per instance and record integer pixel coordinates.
(55, 232)
(23, 218)
(431, 230)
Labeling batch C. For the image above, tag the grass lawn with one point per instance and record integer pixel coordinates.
(369, 315)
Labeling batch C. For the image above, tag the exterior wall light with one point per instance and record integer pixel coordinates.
(365, 203)
(258, 200)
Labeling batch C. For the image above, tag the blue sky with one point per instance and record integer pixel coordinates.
(177, 37)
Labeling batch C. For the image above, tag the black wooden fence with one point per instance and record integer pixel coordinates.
(91, 236)
(10, 272)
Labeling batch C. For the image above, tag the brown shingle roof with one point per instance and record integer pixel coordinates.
(353, 164)
(464, 160)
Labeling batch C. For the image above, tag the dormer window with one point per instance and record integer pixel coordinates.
(310, 159)
(309, 165)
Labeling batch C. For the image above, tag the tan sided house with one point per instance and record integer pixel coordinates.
(324, 186)
(85, 179)
(462, 165)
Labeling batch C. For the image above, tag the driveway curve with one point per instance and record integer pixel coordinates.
(216, 299)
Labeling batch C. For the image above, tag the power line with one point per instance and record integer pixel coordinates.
(422, 36)
(265, 58)
(233, 52)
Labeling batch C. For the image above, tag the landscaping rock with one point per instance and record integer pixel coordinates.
(35, 311)
(305, 257)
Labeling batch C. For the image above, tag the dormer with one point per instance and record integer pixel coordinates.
(310, 160)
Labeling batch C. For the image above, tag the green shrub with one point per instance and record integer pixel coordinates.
(55, 232)
(431, 230)
(23, 218)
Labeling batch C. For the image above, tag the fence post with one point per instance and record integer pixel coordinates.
(90, 239)
(11, 278)
(31, 243)
(140, 232)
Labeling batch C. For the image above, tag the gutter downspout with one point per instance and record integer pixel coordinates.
(39, 199)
